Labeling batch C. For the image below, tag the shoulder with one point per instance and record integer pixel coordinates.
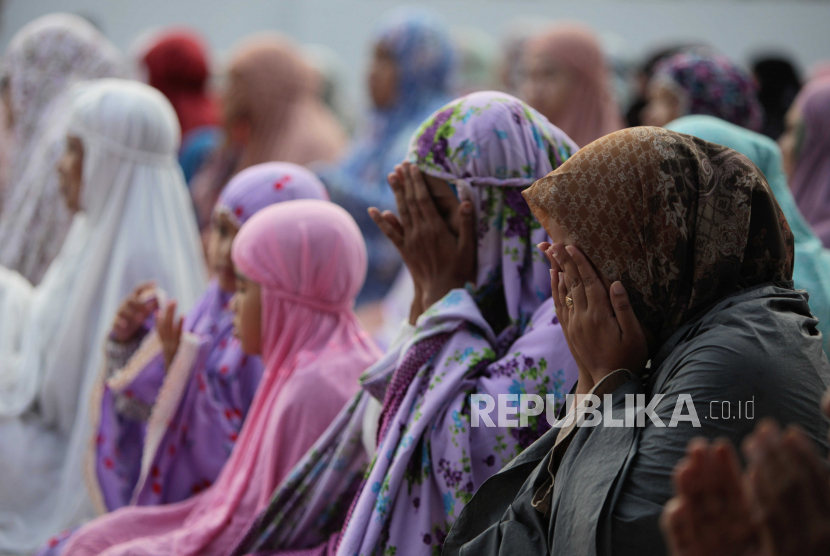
(764, 349)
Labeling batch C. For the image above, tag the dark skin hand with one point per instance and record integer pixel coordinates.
(710, 513)
(789, 487)
(780, 506)
(601, 329)
(435, 235)
(169, 329)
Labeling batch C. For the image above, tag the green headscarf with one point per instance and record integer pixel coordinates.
(812, 260)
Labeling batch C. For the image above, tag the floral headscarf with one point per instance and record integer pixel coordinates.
(490, 165)
(679, 221)
(714, 86)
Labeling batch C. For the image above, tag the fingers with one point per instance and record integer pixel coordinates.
(412, 204)
(689, 477)
(390, 217)
(426, 205)
(545, 247)
(678, 525)
(627, 320)
(573, 277)
(729, 475)
(177, 331)
(165, 324)
(594, 290)
(396, 182)
(390, 231)
(565, 312)
(143, 287)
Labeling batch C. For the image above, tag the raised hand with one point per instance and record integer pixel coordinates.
(438, 258)
(789, 489)
(586, 381)
(169, 329)
(601, 328)
(709, 514)
(132, 313)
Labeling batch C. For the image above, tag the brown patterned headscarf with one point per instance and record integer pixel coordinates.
(679, 221)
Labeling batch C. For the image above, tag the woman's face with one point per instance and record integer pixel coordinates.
(788, 142)
(664, 106)
(246, 305)
(383, 78)
(222, 233)
(70, 168)
(546, 85)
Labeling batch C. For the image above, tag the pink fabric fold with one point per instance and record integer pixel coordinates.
(310, 261)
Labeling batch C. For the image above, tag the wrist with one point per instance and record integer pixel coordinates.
(437, 292)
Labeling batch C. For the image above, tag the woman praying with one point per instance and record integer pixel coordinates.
(41, 64)
(299, 267)
(177, 392)
(133, 222)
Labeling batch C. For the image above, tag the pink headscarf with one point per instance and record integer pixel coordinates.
(811, 178)
(310, 260)
(592, 111)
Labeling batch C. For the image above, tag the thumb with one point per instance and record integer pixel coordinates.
(629, 325)
(467, 237)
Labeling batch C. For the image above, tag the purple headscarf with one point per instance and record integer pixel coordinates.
(712, 85)
(219, 379)
(811, 178)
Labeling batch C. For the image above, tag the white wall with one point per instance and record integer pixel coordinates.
(738, 27)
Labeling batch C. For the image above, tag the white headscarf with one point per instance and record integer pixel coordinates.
(42, 62)
(136, 223)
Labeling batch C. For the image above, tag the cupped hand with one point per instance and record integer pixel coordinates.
(132, 313)
(586, 381)
(789, 489)
(438, 259)
(169, 329)
(709, 514)
(602, 328)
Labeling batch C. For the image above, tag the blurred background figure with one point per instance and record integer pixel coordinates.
(519, 30)
(272, 112)
(409, 78)
(622, 67)
(805, 147)
(702, 83)
(778, 84)
(332, 76)
(811, 267)
(566, 78)
(177, 63)
(477, 60)
(819, 70)
(642, 77)
(42, 62)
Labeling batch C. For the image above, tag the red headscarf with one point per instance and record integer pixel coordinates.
(178, 66)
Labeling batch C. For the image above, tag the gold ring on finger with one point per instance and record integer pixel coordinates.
(569, 302)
